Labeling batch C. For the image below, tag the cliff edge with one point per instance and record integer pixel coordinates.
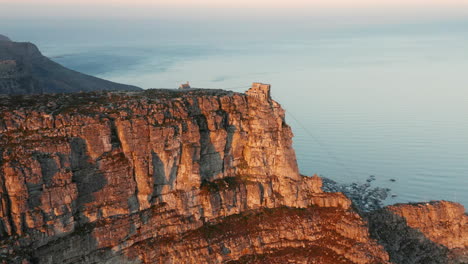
(165, 176)
(432, 232)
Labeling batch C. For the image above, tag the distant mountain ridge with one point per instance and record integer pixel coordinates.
(24, 70)
(4, 38)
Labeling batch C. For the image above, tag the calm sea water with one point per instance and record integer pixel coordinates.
(387, 100)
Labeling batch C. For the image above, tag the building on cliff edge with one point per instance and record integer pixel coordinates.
(184, 86)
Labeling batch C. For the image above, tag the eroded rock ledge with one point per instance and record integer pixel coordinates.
(434, 232)
(161, 176)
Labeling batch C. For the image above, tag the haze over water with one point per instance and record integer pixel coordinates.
(387, 99)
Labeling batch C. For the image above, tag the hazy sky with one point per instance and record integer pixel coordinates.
(224, 9)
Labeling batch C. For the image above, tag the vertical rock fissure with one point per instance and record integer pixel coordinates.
(175, 167)
(159, 175)
(6, 198)
(230, 130)
(227, 162)
(85, 174)
(210, 160)
(115, 140)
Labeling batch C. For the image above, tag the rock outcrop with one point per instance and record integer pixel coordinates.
(435, 232)
(24, 70)
(161, 176)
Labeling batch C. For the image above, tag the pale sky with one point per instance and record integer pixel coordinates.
(209, 9)
(251, 3)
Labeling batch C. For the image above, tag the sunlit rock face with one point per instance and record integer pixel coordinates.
(435, 232)
(444, 223)
(162, 176)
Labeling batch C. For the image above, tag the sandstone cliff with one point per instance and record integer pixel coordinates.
(165, 177)
(435, 232)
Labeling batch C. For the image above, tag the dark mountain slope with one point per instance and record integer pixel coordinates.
(4, 38)
(24, 70)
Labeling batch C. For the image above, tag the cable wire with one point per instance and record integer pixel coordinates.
(324, 147)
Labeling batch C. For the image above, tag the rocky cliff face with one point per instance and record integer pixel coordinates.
(162, 176)
(24, 70)
(444, 223)
(435, 232)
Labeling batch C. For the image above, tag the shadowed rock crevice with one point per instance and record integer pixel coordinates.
(159, 174)
(48, 166)
(133, 204)
(7, 226)
(115, 140)
(160, 178)
(173, 172)
(48, 169)
(404, 244)
(211, 163)
(231, 130)
(86, 175)
(35, 192)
